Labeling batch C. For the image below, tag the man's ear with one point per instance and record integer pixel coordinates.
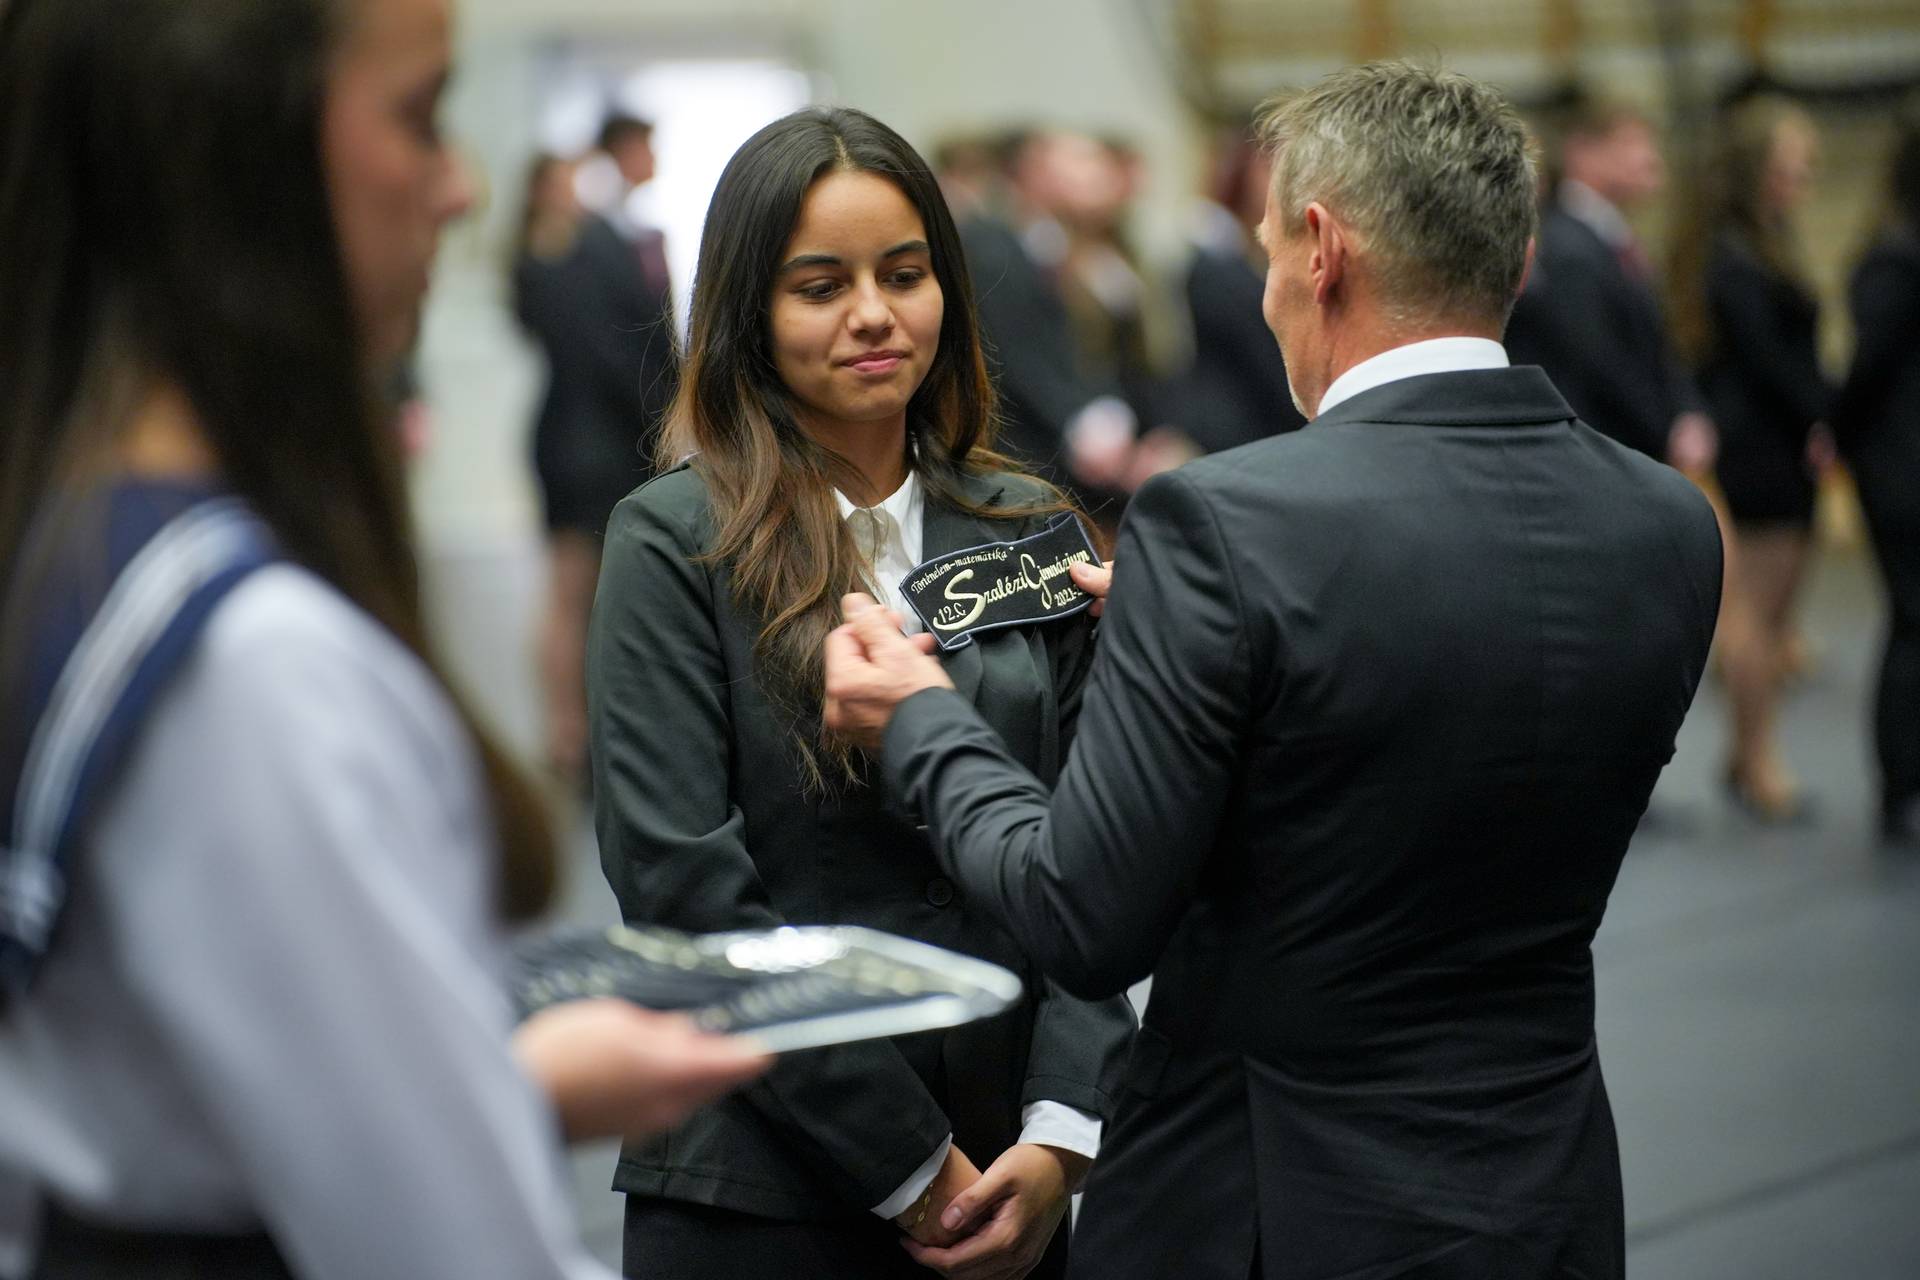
(1526, 270)
(1327, 265)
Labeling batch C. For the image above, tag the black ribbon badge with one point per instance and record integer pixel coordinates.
(1001, 584)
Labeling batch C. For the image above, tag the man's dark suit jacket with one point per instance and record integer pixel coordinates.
(1376, 709)
(1596, 327)
(608, 337)
(1239, 378)
(704, 825)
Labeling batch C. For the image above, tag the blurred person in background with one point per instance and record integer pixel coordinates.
(1071, 425)
(1590, 314)
(971, 179)
(627, 141)
(833, 430)
(255, 857)
(1100, 281)
(549, 283)
(1877, 420)
(1126, 323)
(1239, 390)
(592, 290)
(1745, 315)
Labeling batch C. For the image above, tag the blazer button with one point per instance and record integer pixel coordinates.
(940, 891)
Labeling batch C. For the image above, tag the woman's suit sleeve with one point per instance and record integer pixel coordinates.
(673, 842)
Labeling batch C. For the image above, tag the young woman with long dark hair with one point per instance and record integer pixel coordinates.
(254, 856)
(833, 429)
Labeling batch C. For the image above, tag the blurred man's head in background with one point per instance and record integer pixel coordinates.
(1611, 147)
(628, 142)
(1072, 178)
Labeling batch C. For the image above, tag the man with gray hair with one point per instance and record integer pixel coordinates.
(1376, 707)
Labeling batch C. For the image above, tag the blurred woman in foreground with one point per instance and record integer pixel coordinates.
(254, 856)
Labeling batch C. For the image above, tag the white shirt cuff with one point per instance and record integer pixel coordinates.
(899, 1202)
(1055, 1124)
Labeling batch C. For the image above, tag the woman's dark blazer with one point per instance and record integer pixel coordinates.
(607, 336)
(1763, 385)
(704, 825)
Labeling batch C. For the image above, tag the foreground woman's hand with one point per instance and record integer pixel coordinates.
(1008, 1216)
(615, 1070)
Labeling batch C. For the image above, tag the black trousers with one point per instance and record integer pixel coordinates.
(669, 1240)
(1891, 500)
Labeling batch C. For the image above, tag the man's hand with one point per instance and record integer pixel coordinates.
(872, 668)
(1007, 1217)
(925, 1223)
(615, 1070)
(1095, 580)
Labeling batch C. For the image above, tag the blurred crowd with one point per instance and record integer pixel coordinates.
(1712, 363)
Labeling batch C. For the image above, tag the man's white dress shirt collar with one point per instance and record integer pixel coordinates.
(1434, 355)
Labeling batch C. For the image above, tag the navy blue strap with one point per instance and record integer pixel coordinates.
(101, 665)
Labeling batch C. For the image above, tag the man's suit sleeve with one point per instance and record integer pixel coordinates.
(673, 843)
(1094, 879)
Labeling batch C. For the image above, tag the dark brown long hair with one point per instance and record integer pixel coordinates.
(166, 221)
(1731, 205)
(771, 485)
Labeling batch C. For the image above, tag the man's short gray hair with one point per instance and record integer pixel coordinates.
(1432, 170)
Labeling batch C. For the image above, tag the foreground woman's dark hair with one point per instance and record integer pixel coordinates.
(166, 220)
